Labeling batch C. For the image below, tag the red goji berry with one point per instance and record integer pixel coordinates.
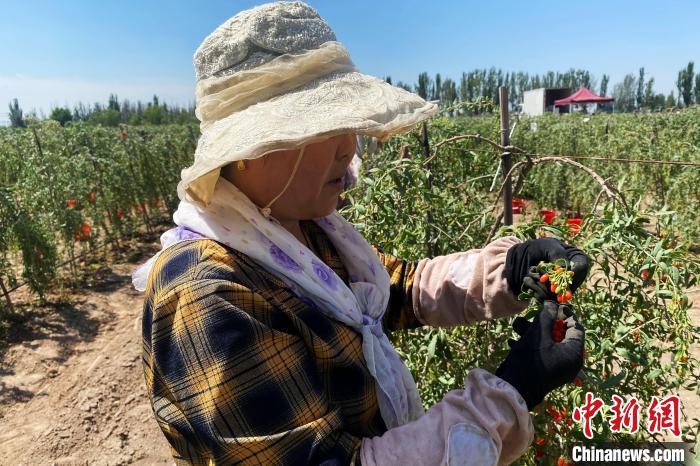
(544, 278)
(558, 331)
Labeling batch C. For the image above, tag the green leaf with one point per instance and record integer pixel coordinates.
(431, 346)
(613, 381)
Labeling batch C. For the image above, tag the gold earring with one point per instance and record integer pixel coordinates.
(241, 165)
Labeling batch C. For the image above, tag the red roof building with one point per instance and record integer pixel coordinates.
(582, 96)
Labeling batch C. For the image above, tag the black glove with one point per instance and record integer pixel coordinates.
(536, 364)
(522, 256)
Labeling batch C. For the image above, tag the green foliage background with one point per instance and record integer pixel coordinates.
(638, 331)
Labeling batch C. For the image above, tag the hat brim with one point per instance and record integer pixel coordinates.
(339, 103)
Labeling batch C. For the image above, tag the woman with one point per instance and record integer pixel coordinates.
(265, 311)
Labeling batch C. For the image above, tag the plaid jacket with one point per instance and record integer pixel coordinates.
(241, 371)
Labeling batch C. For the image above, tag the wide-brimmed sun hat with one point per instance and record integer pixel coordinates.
(274, 78)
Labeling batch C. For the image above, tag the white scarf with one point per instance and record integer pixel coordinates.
(232, 219)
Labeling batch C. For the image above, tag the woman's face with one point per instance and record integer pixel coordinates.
(314, 190)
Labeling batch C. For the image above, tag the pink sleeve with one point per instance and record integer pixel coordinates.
(486, 423)
(465, 287)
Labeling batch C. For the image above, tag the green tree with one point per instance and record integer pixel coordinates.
(659, 101)
(436, 88)
(490, 85)
(463, 88)
(685, 84)
(697, 88)
(16, 115)
(61, 115)
(648, 99)
(105, 117)
(136, 119)
(423, 86)
(449, 92)
(513, 97)
(154, 115)
(113, 103)
(81, 112)
(625, 93)
(670, 101)
(604, 84)
(640, 88)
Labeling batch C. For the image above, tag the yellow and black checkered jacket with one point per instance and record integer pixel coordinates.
(239, 370)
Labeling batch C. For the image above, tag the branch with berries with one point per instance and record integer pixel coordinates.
(557, 277)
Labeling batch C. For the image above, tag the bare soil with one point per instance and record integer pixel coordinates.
(72, 388)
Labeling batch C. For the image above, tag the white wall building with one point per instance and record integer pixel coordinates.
(538, 101)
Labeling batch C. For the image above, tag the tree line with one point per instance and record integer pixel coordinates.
(635, 92)
(113, 113)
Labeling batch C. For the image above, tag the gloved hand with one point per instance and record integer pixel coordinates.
(529, 253)
(484, 424)
(536, 364)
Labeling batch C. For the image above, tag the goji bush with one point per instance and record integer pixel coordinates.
(65, 189)
(80, 186)
(634, 304)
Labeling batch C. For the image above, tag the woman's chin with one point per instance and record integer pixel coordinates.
(327, 209)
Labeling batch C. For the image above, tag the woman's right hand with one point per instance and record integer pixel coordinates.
(537, 364)
(484, 424)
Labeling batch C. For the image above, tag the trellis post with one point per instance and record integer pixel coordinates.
(506, 162)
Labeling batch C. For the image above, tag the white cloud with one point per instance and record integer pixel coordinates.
(42, 94)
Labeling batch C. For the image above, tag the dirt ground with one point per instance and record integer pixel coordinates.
(71, 383)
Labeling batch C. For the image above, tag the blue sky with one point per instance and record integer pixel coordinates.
(61, 52)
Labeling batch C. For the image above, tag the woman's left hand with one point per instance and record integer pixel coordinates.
(538, 364)
(529, 253)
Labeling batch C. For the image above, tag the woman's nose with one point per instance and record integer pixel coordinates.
(348, 148)
(344, 155)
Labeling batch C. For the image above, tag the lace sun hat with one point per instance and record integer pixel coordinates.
(274, 78)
